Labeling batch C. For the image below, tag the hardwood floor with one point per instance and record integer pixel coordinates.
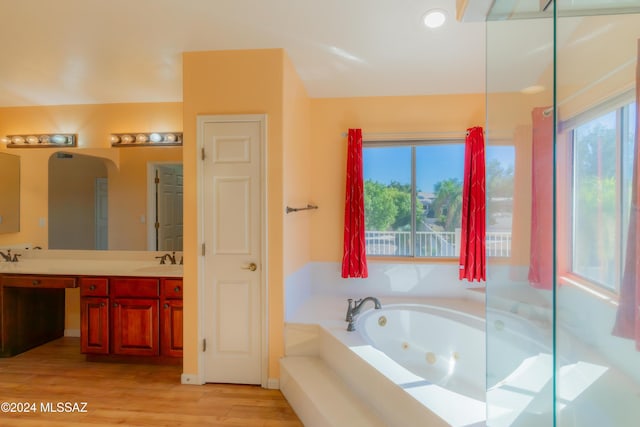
(45, 378)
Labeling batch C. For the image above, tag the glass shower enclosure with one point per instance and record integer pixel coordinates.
(563, 328)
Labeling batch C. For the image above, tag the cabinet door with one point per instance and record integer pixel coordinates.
(94, 325)
(172, 328)
(135, 326)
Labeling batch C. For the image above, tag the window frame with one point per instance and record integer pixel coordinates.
(414, 144)
(568, 275)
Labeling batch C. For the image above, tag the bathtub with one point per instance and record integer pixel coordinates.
(443, 346)
(445, 351)
(424, 364)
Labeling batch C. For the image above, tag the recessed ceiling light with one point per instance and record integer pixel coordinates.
(435, 18)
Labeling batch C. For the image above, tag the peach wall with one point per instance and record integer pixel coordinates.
(234, 82)
(332, 117)
(296, 170)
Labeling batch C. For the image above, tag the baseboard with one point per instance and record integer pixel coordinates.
(72, 333)
(273, 383)
(192, 379)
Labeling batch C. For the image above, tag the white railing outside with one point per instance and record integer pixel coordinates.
(431, 243)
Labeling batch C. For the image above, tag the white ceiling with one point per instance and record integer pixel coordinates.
(106, 51)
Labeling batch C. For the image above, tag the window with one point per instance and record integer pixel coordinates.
(413, 198)
(602, 163)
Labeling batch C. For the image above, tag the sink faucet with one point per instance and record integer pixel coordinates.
(354, 307)
(171, 257)
(8, 258)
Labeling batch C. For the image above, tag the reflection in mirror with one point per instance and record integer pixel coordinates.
(96, 204)
(9, 193)
(165, 231)
(77, 202)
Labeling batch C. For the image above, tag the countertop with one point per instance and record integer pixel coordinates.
(91, 263)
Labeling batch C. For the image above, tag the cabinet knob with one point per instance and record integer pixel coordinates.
(166, 305)
(101, 304)
(176, 289)
(115, 304)
(35, 282)
(92, 287)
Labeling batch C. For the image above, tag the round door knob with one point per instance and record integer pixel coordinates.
(251, 267)
(176, 289)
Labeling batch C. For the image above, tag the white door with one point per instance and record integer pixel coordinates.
(169, 207)
(102, 214)
(232, 230)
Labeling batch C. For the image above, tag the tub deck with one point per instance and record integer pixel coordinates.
(380, 391)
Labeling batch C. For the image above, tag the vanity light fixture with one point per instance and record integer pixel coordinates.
(40, 140)
(146, 139)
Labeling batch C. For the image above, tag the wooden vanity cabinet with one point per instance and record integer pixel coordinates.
(94, 315)
(135, 325)
(131, 317)
(171, 318)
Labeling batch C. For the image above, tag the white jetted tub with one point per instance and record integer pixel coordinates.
(444, 347)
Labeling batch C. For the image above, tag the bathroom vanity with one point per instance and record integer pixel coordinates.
(130, 309)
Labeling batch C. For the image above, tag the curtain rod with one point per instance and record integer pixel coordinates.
(385, 136)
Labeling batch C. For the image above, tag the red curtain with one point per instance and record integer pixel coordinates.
(473, 252)
(628, 317)
(354, 259)
(541, 258)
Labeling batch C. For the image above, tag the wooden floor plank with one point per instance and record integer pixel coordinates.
(127, 394)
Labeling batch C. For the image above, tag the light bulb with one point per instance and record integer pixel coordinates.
(44, 139)
(127, 139)
(59, 139)
(141, 137)
(170, 137)
(17, 140)
(115, 139)
(31, 139)
(155, 137)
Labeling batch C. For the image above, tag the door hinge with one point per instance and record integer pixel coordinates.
(157, 180)
(204, 345)
(157, 225)
(202, 153)
(204, 249)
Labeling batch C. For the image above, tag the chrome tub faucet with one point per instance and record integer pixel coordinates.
(354, 307)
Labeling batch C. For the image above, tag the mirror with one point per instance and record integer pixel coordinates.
(10, 193)
(93, 204)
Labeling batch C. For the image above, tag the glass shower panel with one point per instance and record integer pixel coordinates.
(597, 373)
(519, 292)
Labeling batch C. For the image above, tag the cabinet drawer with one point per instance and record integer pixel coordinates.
(94, 286)
(172, 288)
(26, 281)
(135, 287)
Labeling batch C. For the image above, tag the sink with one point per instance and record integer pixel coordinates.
(160, 270)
